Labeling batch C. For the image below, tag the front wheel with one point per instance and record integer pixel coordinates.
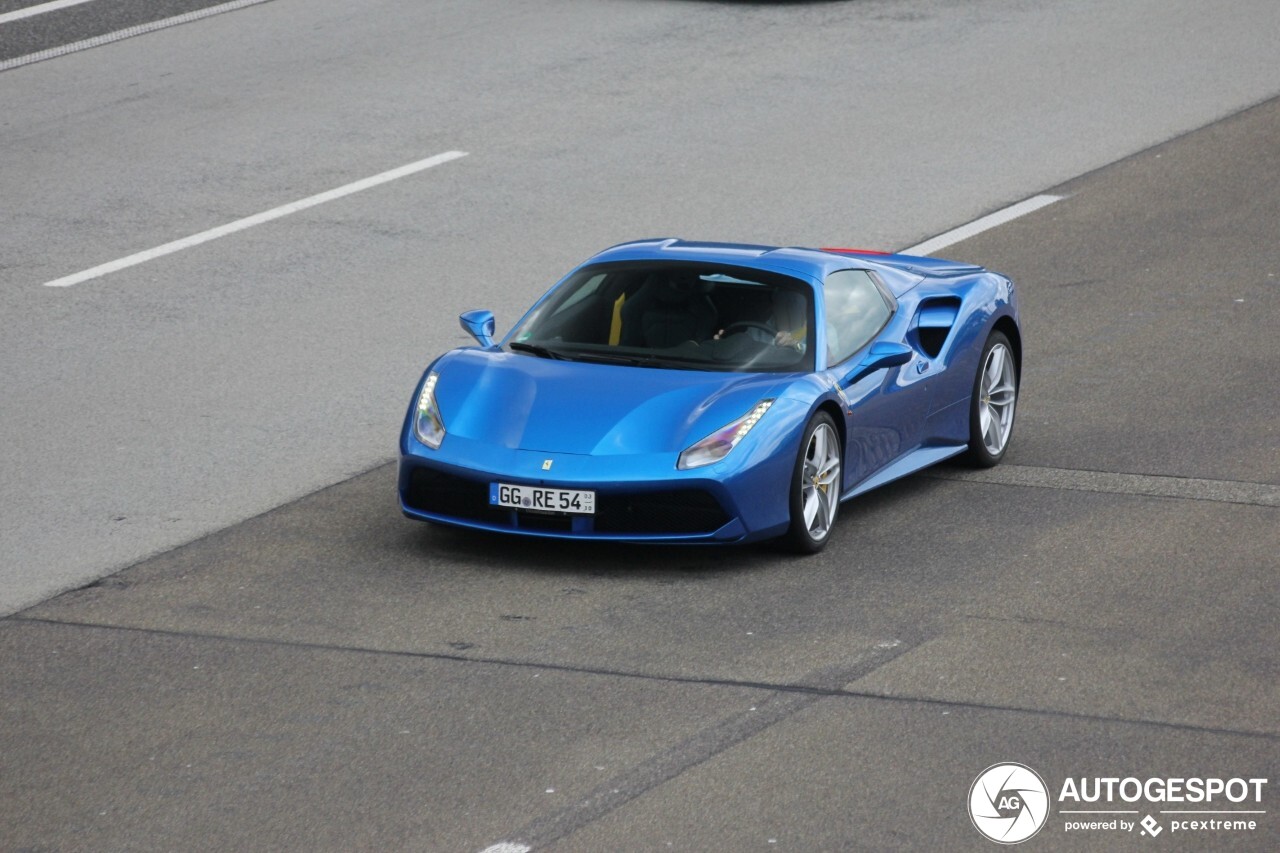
(995, 394)
(815, 486)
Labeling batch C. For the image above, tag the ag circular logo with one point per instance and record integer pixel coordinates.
(1008, 803)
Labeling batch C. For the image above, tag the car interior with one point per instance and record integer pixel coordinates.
(719, 317)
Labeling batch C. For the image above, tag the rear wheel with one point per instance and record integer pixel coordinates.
(815, 486)
(995, 395)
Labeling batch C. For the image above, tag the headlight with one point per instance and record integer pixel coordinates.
(428, 426)
(716, 446)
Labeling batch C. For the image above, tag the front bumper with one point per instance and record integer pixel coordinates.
(637, 499)
(655, 512)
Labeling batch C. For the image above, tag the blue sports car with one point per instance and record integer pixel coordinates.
(669, 391)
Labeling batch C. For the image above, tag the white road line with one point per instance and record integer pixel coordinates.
(986, 223)
(128, 32)
(256, 219)
(32, 11)
(507, 847)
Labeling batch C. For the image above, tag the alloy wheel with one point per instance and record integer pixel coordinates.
(998, 392)
(820, 481)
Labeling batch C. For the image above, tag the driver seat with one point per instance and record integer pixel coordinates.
(668, 312)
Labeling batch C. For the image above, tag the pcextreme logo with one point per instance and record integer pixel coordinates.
(1009, 803)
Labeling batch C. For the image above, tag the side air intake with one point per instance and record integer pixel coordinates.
(933, 324)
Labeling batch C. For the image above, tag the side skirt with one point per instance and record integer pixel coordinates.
(921, 457)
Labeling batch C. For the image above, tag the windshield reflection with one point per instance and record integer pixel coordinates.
(672, 315)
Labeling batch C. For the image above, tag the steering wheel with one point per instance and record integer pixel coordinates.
(743, 325)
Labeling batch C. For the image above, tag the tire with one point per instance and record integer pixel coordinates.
(815, 486)
(994, 400)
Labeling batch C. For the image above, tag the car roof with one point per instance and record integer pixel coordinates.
(899, 272)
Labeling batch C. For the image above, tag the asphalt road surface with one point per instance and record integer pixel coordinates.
(297, 667)
(162, 402)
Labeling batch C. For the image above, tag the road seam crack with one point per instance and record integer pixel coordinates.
(1145, 485)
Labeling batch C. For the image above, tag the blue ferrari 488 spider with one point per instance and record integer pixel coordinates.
(668, 391)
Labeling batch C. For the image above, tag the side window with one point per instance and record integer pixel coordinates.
(856, 310)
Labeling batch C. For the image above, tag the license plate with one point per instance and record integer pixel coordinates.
(538, 498)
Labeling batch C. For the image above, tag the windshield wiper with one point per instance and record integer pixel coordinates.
(538, 350)
(648, 360)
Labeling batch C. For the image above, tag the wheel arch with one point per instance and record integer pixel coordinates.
(832, 408)
(1009, 329)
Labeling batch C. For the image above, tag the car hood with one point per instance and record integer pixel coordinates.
(528, 403)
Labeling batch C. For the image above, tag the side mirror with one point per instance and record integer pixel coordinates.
(479, 325)
(881, 355)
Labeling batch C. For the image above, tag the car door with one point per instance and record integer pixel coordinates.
(885, 406)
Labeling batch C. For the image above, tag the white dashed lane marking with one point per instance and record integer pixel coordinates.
(118, 35)
(977, 226)
(32, 11)
(256, 219)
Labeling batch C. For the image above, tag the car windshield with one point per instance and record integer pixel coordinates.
(675, 315)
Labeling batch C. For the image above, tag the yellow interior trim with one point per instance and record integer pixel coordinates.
(615, 330)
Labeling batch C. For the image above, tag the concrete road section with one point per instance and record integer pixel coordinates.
(155, 404)
(37, 30)
(330, 676)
